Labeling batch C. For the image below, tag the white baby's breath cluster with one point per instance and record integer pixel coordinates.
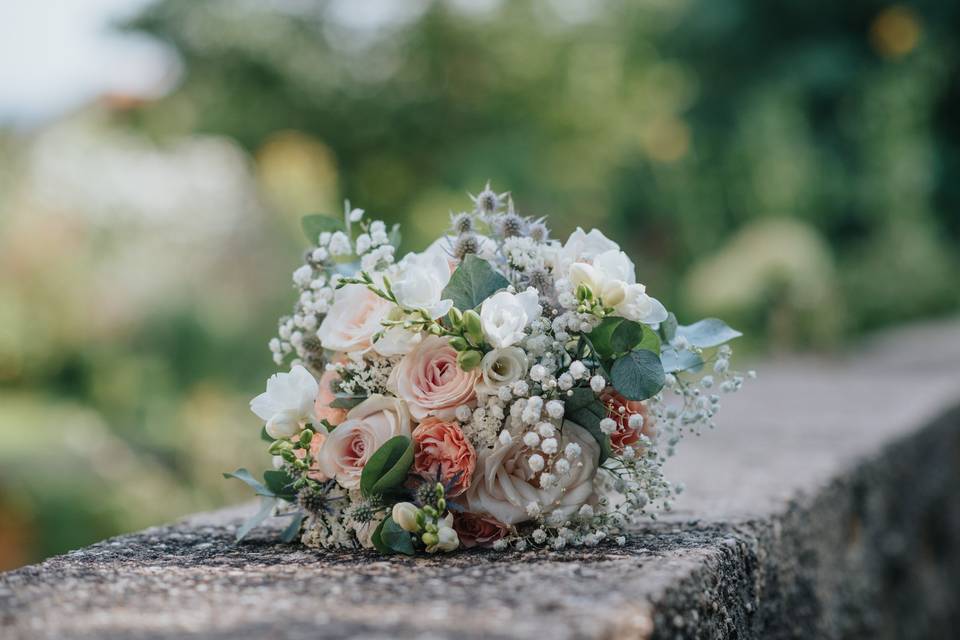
(499, 389)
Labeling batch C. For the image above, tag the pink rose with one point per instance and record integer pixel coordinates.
(478, 530)
(429, 380)
(325, 397)
(366, 428)
(353, 319)
(440, 446)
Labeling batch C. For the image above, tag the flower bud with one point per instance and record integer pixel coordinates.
(278, 447)
(456, 318)
(405, 515)
(471, 322)
(460, 344)
(469, 360)
(447, 540)
(305, 438)
(430, 539)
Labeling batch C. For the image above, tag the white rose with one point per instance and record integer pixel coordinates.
(423, 278)
(504, 316)
(287, 404)
(353, 319)
(504, 484)
(502, 367)
(612, 278)
(366, 428)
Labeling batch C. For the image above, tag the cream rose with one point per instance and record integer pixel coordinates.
(500, 367)
(353, 319)
(429, 380)
(504, 485)
(366, 428)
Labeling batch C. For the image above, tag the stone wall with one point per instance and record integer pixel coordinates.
(826, 505)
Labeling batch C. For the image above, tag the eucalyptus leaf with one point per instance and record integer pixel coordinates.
(266, 508)
(394, 538)
(668, 328)
(638, 375)
(473, 282)
(388, 467)
(343, 401)
(314, 225)
(707, 333)
(280, 483)
(674, 361)
(601, 337)
(585, 409)
(293, 529)
(245, 476)
(626, 336)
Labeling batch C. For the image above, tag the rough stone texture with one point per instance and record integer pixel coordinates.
(827, 505)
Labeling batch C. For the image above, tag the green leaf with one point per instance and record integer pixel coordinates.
(245, 476)
(707, 333)
(394, 538)
(343, 401)
(473, 282)
(266, 508)
(280, 483)
(314, 225)
(388, 467)
(626, 336)
(616, 336)
(674, 361)
(293, 529)
(377, 538)
(585, 409)
(668, 328)
(638, 375)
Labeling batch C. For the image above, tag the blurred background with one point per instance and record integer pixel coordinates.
(793, 166)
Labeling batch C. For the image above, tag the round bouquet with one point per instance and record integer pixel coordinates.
(500, 388)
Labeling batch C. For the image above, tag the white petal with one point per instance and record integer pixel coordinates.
(283, 425)
(263, 406)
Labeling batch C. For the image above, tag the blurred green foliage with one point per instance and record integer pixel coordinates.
(789, 165)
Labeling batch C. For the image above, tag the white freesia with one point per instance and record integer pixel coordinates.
(287, 404)
(583, 247)
(421, 283)
(502, 367)
(405, 515)
(612, 278)
(447, 538)
(504, 316)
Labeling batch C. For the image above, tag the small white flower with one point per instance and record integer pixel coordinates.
(536, 462)
(533, 509)
(577, 369)
(539, 536)
(537, 372)
(531, 439)
(339, 244)
(356, 215)
(597, 383)
(549, 446)
(586, 511)
(572, 451)
(546, 430)
(505, 437)
(555, 409)
(547, 480)
(635, 421)
(363, 243)
(463, 413)
(608, 426)
(562, 466)
(565, 382)
(303, 275)
(521, 388)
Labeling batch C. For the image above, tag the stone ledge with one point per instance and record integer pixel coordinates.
(827, 505)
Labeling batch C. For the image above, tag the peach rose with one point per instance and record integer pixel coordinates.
(478, 530)
(440, 447)
(619, 409)
(366, 428)
(321, 407)
(429, 380)
(353, 319)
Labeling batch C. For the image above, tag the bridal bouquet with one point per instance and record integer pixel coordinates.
(500, 388)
